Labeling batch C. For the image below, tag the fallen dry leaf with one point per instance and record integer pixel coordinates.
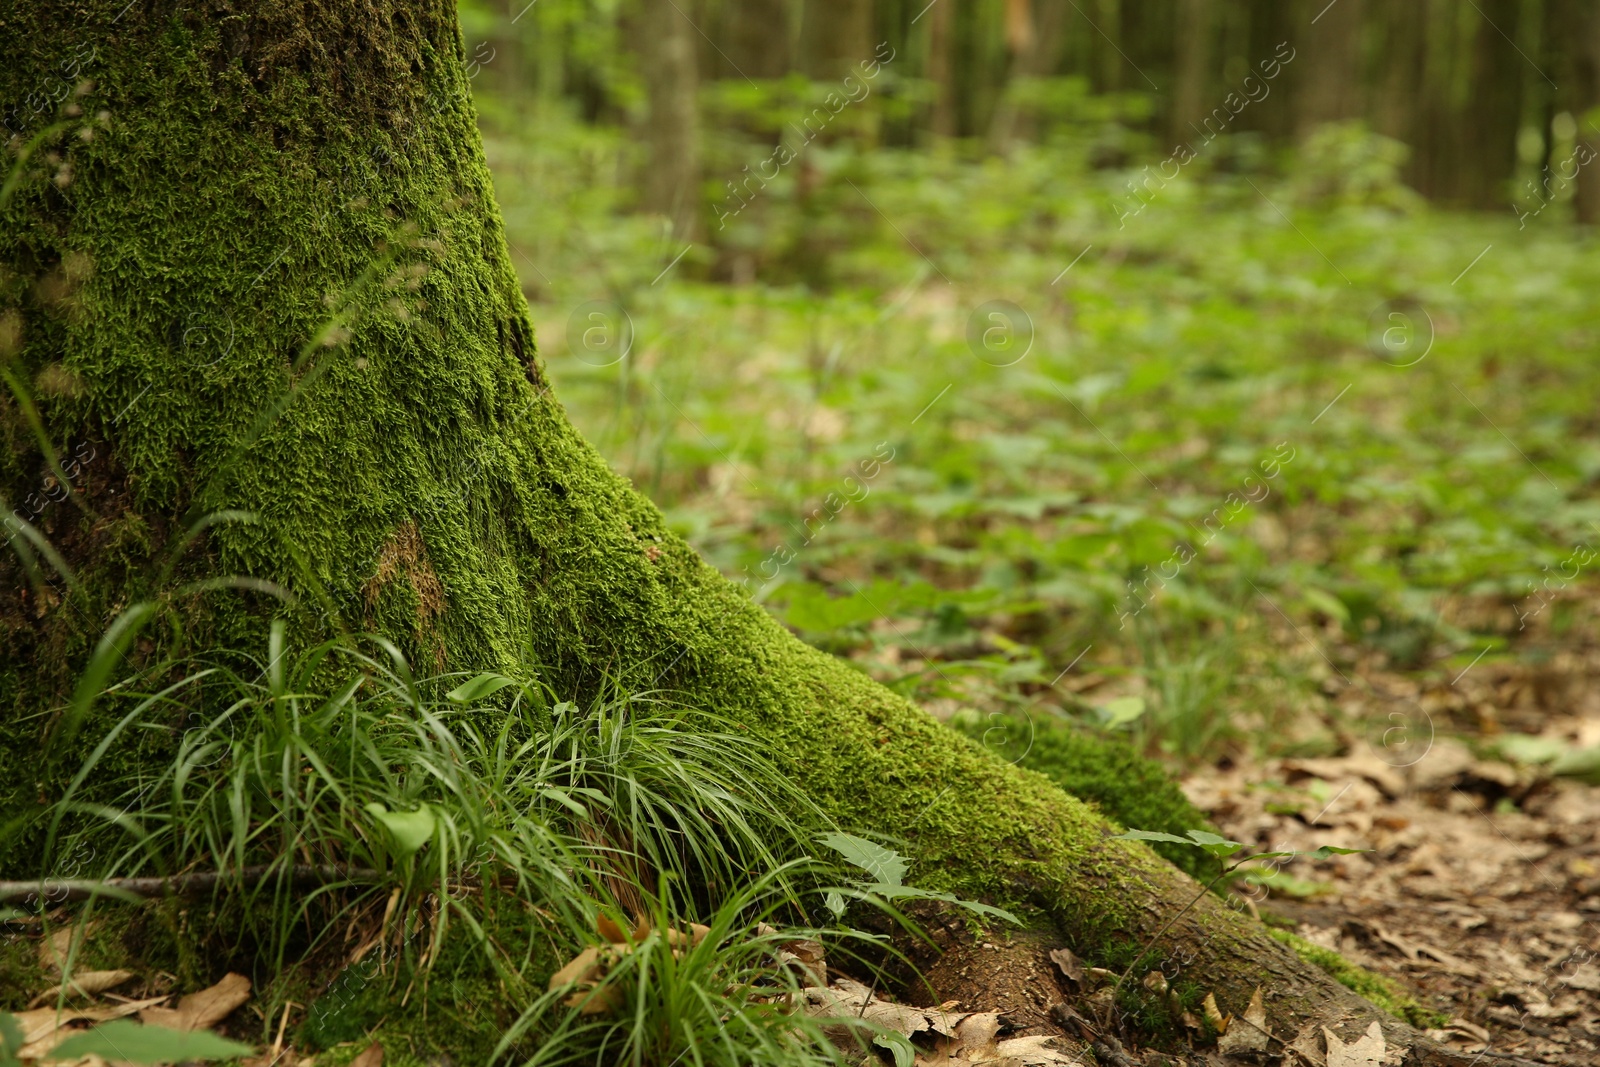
(1249, 1034)
(1070, 966)
(43, 1028)
(976, 1041)
(202, 1010)
(808, 956)
(1366, 1051)
(1214, 1014)
(53, 950)
(371, 1056)
(86, 983)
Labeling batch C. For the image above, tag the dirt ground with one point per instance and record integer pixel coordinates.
(1481, 894)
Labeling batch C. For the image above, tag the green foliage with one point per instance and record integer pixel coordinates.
(126, 1041)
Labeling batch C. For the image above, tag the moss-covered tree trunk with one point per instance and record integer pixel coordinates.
(252, 263)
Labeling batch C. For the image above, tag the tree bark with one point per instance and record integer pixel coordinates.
(1196, 27)
(1493, 115)
(1329, 86)
(273, 280)
(1573, 46)
(666, 46)
(939, 70)
(835, 35)
(760, 41)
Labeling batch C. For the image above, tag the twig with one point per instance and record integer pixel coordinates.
(59, 890)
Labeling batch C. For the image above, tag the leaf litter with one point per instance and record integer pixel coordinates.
(1480, 897)
(161, 1035)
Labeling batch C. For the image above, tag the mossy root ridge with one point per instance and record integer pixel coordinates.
(1126, 786)
(271, 279)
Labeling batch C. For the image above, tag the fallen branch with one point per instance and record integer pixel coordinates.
(61, 890)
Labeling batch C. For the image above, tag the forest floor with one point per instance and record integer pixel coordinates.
(1487, 912)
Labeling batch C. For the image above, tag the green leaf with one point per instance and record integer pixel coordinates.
(1581, 763)
(1281, 884)
(483, 685)
(908, 892)
(1332, 850)
(129, 1042)
(1328, 604)
(107, 654)
(10, 1037)
(884, 864)
(835, 903)
(904, 1054)
(1522, 748)
(1154, 835)
(1121, 711)
(1217, 846)
(409, 829)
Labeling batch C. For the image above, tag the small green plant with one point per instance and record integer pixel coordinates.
(125, 1041)
(886, 870)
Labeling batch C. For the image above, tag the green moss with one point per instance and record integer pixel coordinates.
(1107, 771)
(1376, 988)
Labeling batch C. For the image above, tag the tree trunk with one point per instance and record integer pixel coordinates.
(274, 280)
(1328, 88)
(759, 38)
(1196, 26)
(666, 46)
(835, 35)
(939, 68)
(1494, 107)
(1573, 45)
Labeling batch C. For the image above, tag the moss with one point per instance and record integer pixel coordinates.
(1376, 988)
(1110, 773)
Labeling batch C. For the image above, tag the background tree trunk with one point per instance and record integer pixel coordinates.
(666, 46)
(1494, 104)
(279, 274)
(1573, 47)
(1193, 75)
(760, 38)
(835, 35)
(1328, 86)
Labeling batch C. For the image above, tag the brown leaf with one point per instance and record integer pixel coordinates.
(609, 929)
(1214, 1014)
(43, 1028)
(808, 957)
(86, 983)
(53, 950)
(202, 1010)
(1249, 1034)
(1070, 966)
(1366, 1051)
(583, 967)
(371, 1056)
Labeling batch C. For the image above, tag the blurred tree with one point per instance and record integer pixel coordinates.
(937, 70)
(835, 35)
(665, 41)
(760, 38)
(1572, 36)
(1039, 57)
(1493, 115)
(1192, 81)
(1328, 67)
